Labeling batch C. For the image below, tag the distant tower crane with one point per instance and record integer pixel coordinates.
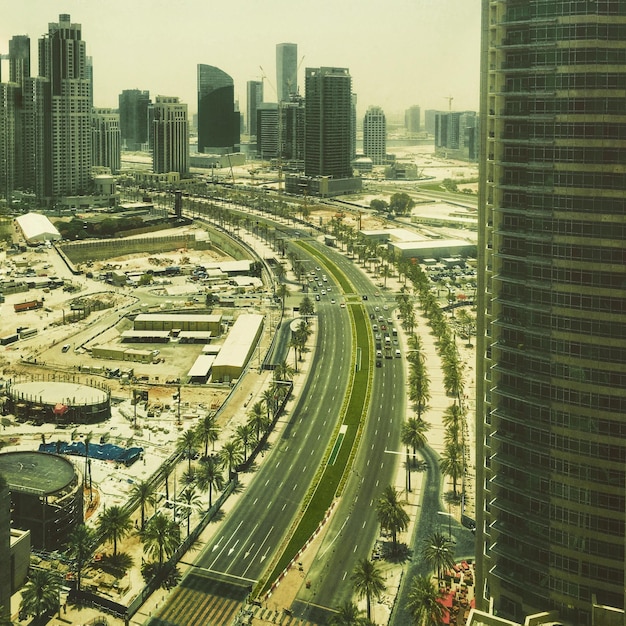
(449, 99)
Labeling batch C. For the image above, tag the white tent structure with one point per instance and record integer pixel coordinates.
(37, 228)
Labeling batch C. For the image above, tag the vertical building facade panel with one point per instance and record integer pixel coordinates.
(551, 392)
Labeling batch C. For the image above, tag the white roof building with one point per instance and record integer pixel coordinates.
(36, 228)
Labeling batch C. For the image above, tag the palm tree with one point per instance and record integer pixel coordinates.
(423, 602)
(161, 537)
(192, 501)
(438, 552)
(348, 614)
(244, 434)
(143, 492)
(257, 419)
(187, 443)
(80, 545)
(414, 434)
(207, 432)
(451, 463)
(391, 514)
(210, 477)
(114, 525)
(368, 582)
(270, 402)
(283, 371)
(231, 455)
(41, 593)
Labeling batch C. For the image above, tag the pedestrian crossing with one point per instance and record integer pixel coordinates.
(201, 599)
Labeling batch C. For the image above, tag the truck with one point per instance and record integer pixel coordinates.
(388, 353)
(28, 306)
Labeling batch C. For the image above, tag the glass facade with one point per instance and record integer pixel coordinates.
(551, 398)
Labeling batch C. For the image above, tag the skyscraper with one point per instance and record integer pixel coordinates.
(291, 132)
(133, 106)
(63, 61)
(267, 130)
(106, 139)
(5, 550)
(413, 120)
(551, 377)
(375, 135)
(328, 122)
(19, 58)
(286, 70)
(170, 136)
(254, 93)
(218, 119)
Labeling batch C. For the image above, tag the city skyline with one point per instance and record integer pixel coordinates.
(413, 52)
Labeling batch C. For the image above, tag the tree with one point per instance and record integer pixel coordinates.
(161, 537)
(41, 593)
(282, 292)
(368, 582)
(257, 419)
(283, 371)
(207, 432)
(438, 552)
(210, 477)
(143, 492)
(192, 501)
(451, 463)
(423, 602)
(244, 434)
(379, 205)
(306, 307)
(80, 546)
(114, 525)
(231, 455)
(187, 443)
(401, 203)
(391, 515)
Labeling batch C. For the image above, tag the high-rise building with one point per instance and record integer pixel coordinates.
(63, 61)
(413, 120)
(9, 102)
(328, 122)
(19, 58)
(429, 120)
(456, 134)
(254, 97)
(106, 139)
(291, 132)
(133, 107)
(286, 70)
(218, 119)
(170, 136)
(375, 135)
(267, 130)
(551, 376)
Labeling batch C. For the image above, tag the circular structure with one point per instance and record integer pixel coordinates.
(46, 496)
(58, 401)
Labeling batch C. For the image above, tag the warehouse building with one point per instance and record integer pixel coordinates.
(173, 321)
(37, 228)
(237, 348)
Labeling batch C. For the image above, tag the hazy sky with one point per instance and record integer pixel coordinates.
(399, 52)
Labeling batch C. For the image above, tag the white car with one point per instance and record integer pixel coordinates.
(332, 301)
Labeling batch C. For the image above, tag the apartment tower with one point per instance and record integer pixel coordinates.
(106, 139)
(551, 379)
(286, 70)
(63, 62)
(328, 101)
(170, 136)
(375, 135)
(133, 108)
(254, 97)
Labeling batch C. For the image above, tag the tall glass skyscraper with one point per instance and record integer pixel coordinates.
(375, 135)
(286, 70)
(551, 380)
(218, 122)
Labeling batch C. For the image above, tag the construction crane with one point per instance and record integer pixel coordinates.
(449, 99)
(290, 82)
(265, 78)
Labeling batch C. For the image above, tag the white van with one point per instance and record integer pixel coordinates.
(398, 354)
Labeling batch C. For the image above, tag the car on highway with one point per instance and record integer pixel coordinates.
(343, 305)
(332, 301)
(317, 296)
(379, 363)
